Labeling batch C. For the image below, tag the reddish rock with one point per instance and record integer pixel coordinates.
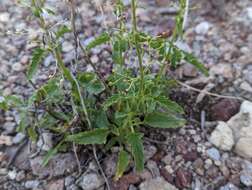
(166, 175)
(126, 181)
(181, 146)
(224, 109)
(190, 156)
(158, 156)
(212, 172)
(183, 178)
(58, 184)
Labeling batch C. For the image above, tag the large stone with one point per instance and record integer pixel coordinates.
(222, 137)
(158, 184)
(244, 147)
(241, 120)
(59, 165)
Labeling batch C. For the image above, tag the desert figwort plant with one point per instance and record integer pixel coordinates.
(70, 104)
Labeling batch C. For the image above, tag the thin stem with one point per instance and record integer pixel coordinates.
(138, 47)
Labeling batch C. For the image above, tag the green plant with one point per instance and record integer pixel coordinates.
(84, 108)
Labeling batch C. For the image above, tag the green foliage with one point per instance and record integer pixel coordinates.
(122, 164)
(102, 39)
(135, 141)
(37, 56)
(95, 136)
(86, 109)
(163, 120)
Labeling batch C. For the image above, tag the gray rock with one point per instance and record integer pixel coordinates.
(246, 174)
(31, 184)
(202, 28)
(91, 181)
(153, 167)
(110, 165)
(18, 138)
(9, 127)
(213, 153)
(222, 137)
(17, 67)
(149, 152)
(157, 183)
(69, 180)
(46, 143)
(59, 165)
(229, 186)
(72, 187)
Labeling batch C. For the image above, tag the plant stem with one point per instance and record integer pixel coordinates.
(138, 47)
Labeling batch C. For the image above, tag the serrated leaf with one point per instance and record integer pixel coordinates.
(102, 39)
(95, 136)
(37, 56)
(163, 120)
(62, 30)
(53, 151)
(137, 150)
(122, 164)
(169, 104)
(194, 61)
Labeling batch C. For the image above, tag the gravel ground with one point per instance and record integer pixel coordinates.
(213, 151)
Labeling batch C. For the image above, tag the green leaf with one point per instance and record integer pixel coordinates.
(136, 143)
(102, 39)
(91, 83)
(112, 100)
(37, 56)
(194, 61)
(53, 151)
(95, 136)
(62, 30)
(163, 120)
(168, 104)
(122, 164)
(32, 134)
(100, 119)
(3, 103)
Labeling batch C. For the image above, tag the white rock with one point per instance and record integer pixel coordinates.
(4, 17)
(157, 183)
(222, 137)
(202, 28)
(246, 86)
(246, 107)
(249, 12)
(12, 174)
(244, 147)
